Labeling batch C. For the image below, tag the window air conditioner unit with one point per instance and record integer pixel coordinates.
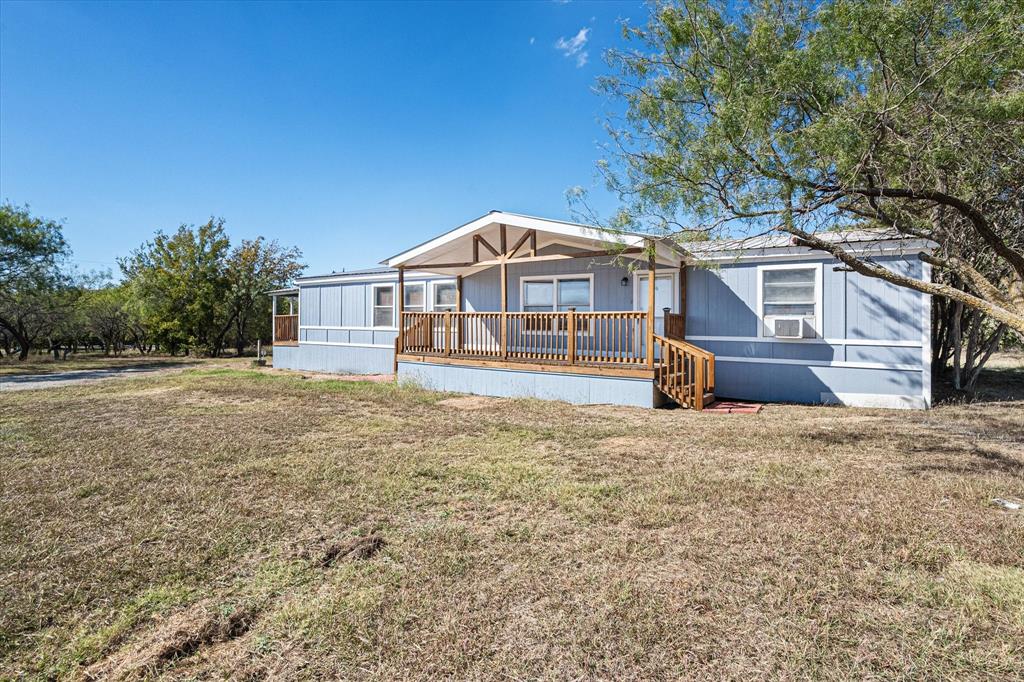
(789, 327)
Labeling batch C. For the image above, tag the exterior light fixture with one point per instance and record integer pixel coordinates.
(624, 282)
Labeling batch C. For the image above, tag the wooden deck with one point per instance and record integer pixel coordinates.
(618, 343)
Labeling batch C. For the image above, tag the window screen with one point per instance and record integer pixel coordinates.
(538, 296)
(574, 293)
(445, 295)
(414, 298)
(383, 306)
(788, 292)
(548, 295)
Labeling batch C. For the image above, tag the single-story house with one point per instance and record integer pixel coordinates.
(513, 305)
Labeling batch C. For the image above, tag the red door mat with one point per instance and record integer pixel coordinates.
(733, 407)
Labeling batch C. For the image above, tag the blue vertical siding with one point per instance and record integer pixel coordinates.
(723, 301)
(870, 344)
(482, 291)
(871, 341)
(879, 310)
(354, 305)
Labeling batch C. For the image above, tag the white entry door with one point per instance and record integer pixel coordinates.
(664, 296)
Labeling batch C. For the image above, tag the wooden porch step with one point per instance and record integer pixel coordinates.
(682, 397)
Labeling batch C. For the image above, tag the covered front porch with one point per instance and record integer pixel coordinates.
(553, 324)
(284, 312)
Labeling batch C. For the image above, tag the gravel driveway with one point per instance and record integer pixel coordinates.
(28, 382)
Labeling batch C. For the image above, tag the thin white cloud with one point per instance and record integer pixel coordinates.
(574, 47)
(532, 40)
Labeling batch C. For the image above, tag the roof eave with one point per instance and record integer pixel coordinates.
(518, 221)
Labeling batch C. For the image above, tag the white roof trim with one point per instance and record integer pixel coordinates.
(370, 277)
(522, 222)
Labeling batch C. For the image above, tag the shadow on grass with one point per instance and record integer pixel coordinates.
(1003, 383)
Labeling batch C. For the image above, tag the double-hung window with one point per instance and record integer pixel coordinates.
(383, 305)
(445, 295)
(415, 297)
(790, 292)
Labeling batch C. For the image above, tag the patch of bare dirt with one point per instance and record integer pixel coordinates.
(470, 402)
(323, 376)
(174, 637)
(619, 443)
(352, 550)
(844, 418)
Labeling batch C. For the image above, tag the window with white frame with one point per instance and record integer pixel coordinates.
(415, 297)
(384, 305)
(445, 296)
(790, 292)
(549, 294)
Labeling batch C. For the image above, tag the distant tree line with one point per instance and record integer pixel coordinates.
(190, 291)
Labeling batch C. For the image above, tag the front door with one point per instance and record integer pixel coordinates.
(664, 297)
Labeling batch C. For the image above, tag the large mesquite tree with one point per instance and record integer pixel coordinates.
(192, 290)
(802, 117)
(179, 280)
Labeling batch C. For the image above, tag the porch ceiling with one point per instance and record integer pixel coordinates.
(453, 252)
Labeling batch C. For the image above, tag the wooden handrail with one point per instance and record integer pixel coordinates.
(686, 372)
(675, 325)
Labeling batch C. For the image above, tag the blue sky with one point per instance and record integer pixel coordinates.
(349, 130)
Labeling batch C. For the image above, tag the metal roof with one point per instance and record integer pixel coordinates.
(362, 271)
(771, 240)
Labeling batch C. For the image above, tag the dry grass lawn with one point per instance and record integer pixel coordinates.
(227, 523)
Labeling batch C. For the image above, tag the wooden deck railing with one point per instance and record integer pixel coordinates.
(567, 337)
(685, 373)
(675, 326)
(682, 371)
(286, 329)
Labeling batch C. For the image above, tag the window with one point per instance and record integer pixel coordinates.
(384, 306)
(538, 297)
(445, 296)
(415, 297)
(790, 291)
(574, 293)
(548, 294)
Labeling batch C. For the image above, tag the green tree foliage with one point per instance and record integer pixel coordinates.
(105, 316)
(804, 117)
(32, 252)
(179, 279)
(254, 268)
(31, 249)
(191, 290)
